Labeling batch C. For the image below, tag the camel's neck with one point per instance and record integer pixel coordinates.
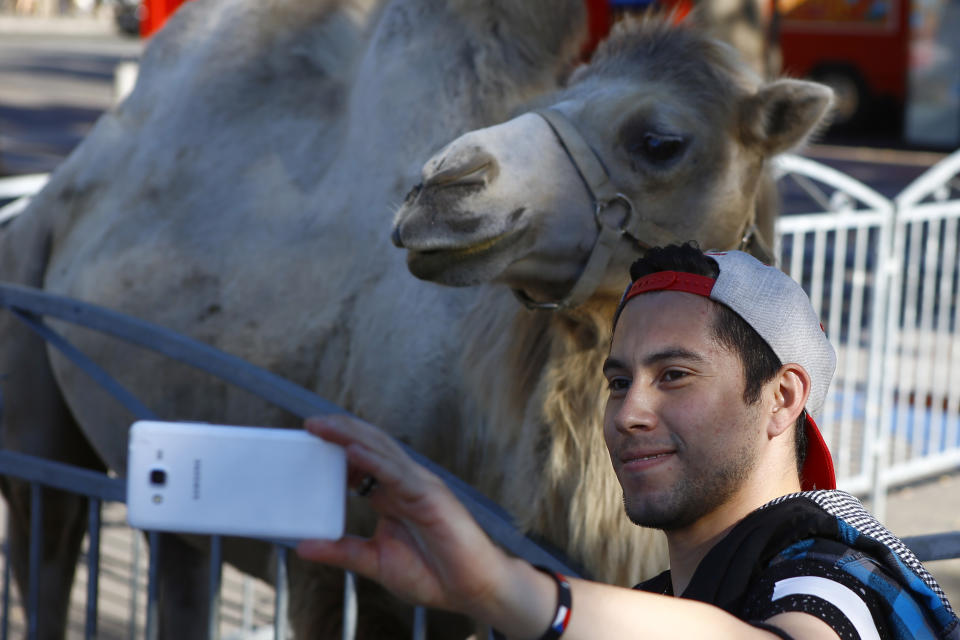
(502, 364)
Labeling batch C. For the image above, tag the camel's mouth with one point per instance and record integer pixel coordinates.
(429, 264)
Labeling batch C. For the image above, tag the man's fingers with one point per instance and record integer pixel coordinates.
(400, 476)
(386, 470)
(349, 552)
(370, 451)
(345, 430)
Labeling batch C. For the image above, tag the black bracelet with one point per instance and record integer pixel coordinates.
(561, 618)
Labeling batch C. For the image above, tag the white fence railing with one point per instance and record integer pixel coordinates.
(883, 275)
(20, 189)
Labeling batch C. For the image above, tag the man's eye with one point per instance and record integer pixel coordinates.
(618, 384)
(673, 375)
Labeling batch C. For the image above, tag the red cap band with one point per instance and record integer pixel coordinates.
(817, 470)
(671, 281)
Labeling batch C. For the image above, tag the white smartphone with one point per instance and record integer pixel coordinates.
(244, 481)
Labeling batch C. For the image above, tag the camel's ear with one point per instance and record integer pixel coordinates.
(783, 113)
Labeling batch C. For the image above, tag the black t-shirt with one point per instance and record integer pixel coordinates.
(800, 553)
(809, 586)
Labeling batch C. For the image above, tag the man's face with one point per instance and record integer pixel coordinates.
(680, 436)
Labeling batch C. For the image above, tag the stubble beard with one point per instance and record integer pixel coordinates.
(698, 492)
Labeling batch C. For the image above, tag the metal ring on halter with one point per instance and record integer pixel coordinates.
(752, 242)
(747, 238)
(530, 303)
(602, 239)
(604, 204)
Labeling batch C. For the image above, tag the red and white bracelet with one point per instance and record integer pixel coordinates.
(561, 618)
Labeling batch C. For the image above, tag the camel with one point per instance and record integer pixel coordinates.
(244, 193)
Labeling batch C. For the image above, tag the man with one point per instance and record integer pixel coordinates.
(716, 366)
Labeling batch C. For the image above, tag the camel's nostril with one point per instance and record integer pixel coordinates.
(462, 169)
(413, 193)
(395, 237)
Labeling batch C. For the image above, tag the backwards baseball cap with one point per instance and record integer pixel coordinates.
(779, 310)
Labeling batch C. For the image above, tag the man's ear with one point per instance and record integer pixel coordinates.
(791, 388)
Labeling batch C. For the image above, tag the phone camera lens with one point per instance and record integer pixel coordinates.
(158, 477)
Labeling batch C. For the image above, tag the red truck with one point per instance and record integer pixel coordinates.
(858, 47)
(861, 48)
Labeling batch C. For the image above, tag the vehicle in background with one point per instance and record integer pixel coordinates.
(143, 17)
(127, 15)
(894, 65)
(860, 48)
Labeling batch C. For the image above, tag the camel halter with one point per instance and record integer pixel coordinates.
(606, 199)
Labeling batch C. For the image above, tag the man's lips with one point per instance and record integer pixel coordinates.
(637, 460)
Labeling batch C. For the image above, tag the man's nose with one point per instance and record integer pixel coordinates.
(638, 411)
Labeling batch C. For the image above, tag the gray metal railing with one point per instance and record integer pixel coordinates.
(32, 305)
(99, 489)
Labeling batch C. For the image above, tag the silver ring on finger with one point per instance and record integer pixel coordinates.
(367, 485)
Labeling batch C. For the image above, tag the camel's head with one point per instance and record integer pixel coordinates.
(676, 122)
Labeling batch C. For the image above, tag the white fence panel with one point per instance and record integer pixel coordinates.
(837, 253)
(883, 275)
(921, 395)
(20, 190)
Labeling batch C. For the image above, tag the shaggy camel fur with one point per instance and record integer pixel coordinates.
(242, 195)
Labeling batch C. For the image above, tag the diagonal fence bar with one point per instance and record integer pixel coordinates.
(492, 518)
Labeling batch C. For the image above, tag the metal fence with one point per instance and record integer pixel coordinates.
(31, 306)
(881, 273)
(18, 190)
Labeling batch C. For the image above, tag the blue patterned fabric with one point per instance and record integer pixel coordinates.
(914, 604)
(822, 535)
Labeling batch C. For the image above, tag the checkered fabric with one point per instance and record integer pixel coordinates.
(860, 530)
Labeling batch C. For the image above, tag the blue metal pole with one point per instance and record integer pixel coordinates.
(36, 548)
(93, 568)
(419, 623)
(135, 585)
(213, 595)
(153, 587)
(349, 630)
(281, 602)
(5, 627)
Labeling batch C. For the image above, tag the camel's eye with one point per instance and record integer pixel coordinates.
(659, 148)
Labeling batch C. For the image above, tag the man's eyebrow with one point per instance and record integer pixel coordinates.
(612, 363)
(672, 353)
